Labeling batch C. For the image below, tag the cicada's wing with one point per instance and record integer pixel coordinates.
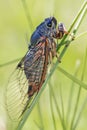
(17, 98)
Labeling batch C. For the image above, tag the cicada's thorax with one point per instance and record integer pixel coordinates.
(36, 64)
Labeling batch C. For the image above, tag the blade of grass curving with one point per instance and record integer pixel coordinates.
(73, 78)
(26, 114)
(71, 96)
(51, 106)
(78, 96)
(28, 16)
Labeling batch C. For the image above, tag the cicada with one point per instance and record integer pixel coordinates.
(31, 71)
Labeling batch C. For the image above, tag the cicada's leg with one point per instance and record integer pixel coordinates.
(54, 52)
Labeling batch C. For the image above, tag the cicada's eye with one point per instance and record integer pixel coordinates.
(49, 24)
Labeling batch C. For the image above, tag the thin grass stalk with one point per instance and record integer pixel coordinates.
(73, 78)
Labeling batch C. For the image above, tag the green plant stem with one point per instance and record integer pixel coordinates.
(77, 81)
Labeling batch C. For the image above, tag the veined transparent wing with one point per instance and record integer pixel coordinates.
(31, 68)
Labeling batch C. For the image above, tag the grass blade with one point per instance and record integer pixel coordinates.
(73, 78)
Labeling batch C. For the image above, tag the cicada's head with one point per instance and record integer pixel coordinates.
(49, 29)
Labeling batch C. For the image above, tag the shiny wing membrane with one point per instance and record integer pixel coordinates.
(17, 98)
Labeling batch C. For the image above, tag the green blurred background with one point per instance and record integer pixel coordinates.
(14, 38)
